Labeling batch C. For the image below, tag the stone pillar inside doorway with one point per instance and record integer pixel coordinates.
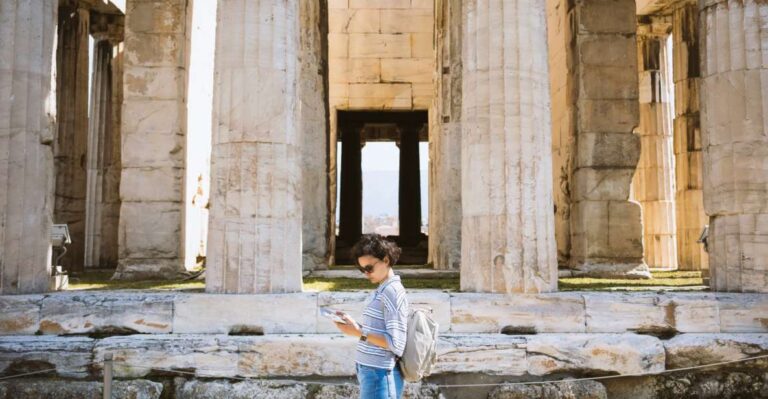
(409, 197)
(351, 192)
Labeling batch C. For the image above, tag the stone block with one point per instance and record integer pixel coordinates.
(607, 149)
(154, 50)
(606, 16)
(152, 149)
(422, 45)
(422, 4)
(618, 313)
(743, 313)
(150, 237)
(338, 46)
(246, 314)
(151, 184)
(594, 353)
(608, 116)
(607, 51)
(488, 354)
(41, 389)
(417, 70)
(158, 83)
(117, 313)
(625, 230)
(70, 356)
(407, 21)
(155, 16)
(353, 21)
(379, 45)
(151, 116)
(19, 314)
(609, 83)
(519, 314)
(197, 389)
(379, 3)
(689, 350)
(336, 4)
(393, 95)
(592, 184)
(693, 313)
(552, 390)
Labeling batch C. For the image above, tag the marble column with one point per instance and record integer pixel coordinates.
(101, 138)
(72, 137)
(653, 183)
(27, 111)
(508, 239)
(445, 140)
(734, 118)
(254, 240)
(409, 188)
(689, 202)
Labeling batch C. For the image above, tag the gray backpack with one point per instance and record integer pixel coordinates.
(420, 352)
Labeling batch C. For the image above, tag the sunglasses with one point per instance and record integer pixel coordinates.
(367, 269)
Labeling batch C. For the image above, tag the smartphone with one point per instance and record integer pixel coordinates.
(331, 314)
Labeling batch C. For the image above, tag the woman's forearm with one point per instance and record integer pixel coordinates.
(378, 340)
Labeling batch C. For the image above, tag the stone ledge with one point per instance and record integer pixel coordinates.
(330, 355)
(102, 313)
(60, 389)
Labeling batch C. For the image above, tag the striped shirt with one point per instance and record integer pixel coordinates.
(386, 314)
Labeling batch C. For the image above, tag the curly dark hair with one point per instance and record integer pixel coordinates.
(376, 246)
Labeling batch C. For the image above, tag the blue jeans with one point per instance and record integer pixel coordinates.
(378, 383)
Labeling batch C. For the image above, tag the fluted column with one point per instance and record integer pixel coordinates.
(689, 202)
(445, 140)
(27, 29)
(99, 243)
(734, 120)
(255, 223)
(508, 239)
(72, 137)
(653, 183)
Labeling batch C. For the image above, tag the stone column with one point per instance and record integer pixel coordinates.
(734, 116)
(409, 190)
(445, 140)
(27, 29)
(255, 224)
(508, 239)
(653, 183)
(351, 192)
(687, 137)
(605, 226)
(72, 137)
(314, 120)
(153, 138)
(101, 139)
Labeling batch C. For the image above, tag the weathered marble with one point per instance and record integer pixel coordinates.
(735, 144)
(689, 350)
(492, 354)
(247, 314)
(552, 390)
(20, 315)
(527, 314)
(101, 314)
(507, 230)
(27, 112)
(615, 312)
(152, 135)
(254, 236)
(70, 356)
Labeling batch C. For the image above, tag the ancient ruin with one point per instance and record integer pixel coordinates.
(533, 140)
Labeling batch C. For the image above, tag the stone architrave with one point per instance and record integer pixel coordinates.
(254, 239)
(734, 119)
(653, 183)
(445, 140)
(27, 108)
(508, 239)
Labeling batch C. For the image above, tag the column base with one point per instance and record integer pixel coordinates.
(608, 270)
(149, 269)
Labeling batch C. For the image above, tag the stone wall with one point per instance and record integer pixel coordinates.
(381, 54)
(153, 139)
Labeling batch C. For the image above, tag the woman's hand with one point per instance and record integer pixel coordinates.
(351, 328)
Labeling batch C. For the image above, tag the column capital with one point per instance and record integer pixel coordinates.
(108, 27)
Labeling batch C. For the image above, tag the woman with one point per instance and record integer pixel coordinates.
(383, 328)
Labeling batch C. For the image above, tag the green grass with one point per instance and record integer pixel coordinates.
(672, 280)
